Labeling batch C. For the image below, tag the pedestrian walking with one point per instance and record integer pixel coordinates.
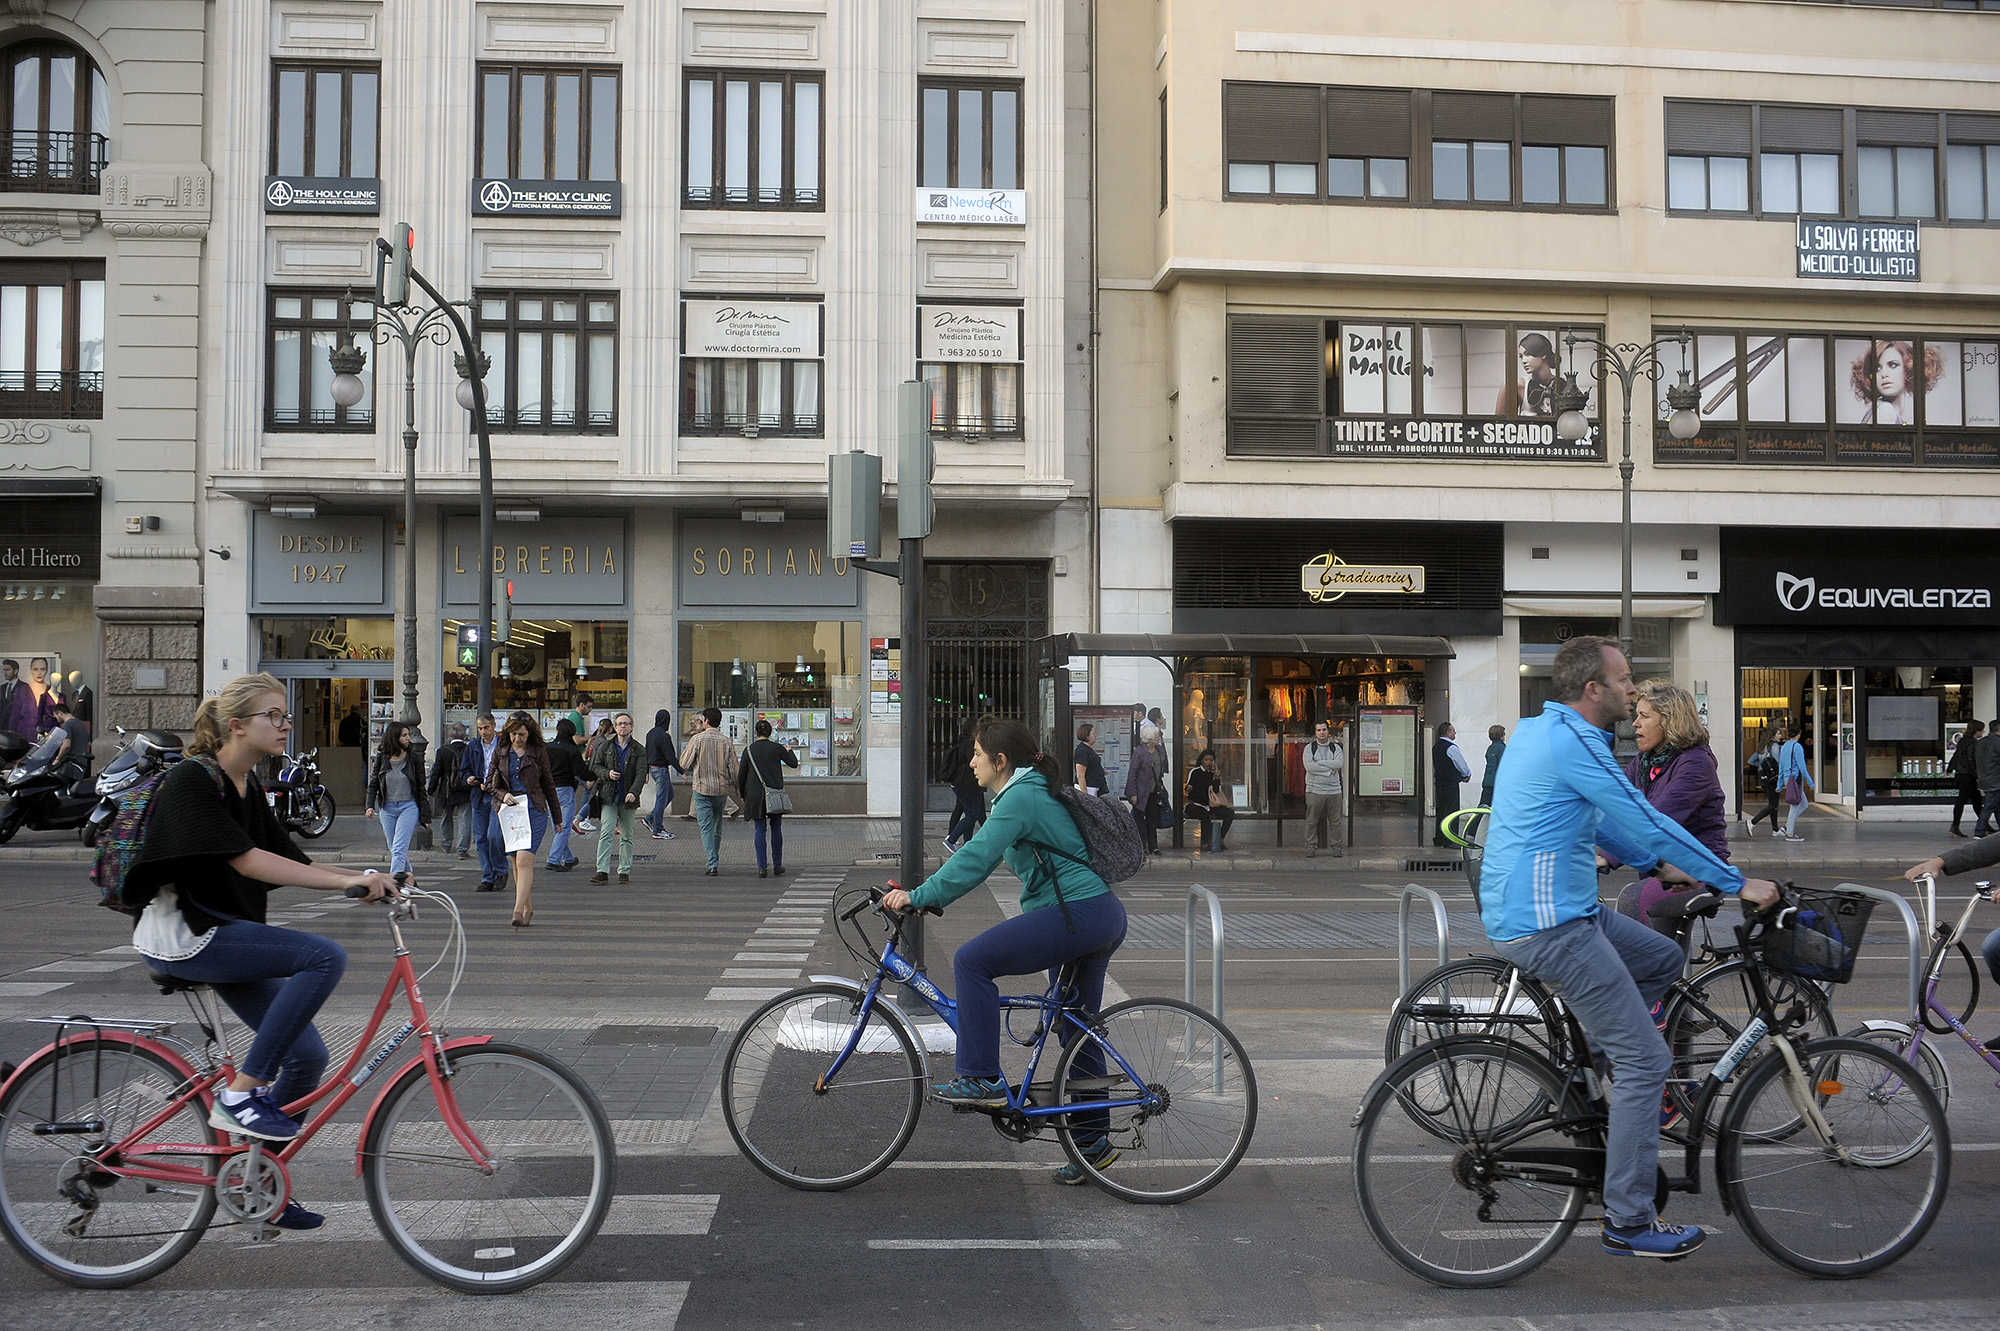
(618, 763)
(663, 759)
(969, 801)
(1496, 749)
(520, 771)
(1964, 765)
(1448, 770)
(1763, 770)
(760, 782)
(1326, 818)
(710, 762)
(1142, 785)
(581, 719)
(1987, 756)
(395, 781)
(1794, 780)
(451, 801)
(478, 762)
(567, 768)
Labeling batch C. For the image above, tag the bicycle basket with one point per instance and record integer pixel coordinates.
(1820, 938)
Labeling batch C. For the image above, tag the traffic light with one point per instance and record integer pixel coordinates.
(916, 459)
(396, 276)
(503, 609)
(468, 646)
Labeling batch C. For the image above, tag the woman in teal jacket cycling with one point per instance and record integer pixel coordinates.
(1067, 911)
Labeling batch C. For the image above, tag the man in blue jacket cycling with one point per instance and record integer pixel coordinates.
(1560, 794)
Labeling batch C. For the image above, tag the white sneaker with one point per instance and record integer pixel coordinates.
(1793, 836)
(584, 826)
(1778, 833)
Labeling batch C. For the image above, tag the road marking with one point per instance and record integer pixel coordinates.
(679, 1215)
(79, 967)
(126, 951)
(800, 957)
(607, 1304)
(720, 994)
(740, 973)
(999, 1245)
(29, 988)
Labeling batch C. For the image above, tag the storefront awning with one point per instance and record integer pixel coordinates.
(1064, 645)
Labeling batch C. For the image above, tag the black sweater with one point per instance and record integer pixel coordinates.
(193, 831)
(1973, 855)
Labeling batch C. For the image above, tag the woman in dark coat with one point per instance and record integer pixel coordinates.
(1675, 770)
(1142, 785)
(761, 768)
(521, 771)
(970, 810)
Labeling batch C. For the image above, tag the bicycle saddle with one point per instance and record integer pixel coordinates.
(1687, 905)
(169, 985)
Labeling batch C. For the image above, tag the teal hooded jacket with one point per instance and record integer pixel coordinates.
(1025, 812)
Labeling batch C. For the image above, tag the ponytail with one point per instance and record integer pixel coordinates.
(235, 701)
(1000, 735)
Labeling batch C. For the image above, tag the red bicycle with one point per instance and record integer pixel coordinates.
(487, 1166)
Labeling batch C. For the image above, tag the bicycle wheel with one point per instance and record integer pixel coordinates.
(1846, 1208)
(1936, 964)
(1454, 1214)
(1470, 996)
(1705, 1013)
(84, 1225)
(802, 1130)
(479, 1230)
(1200, 1093)
(1895, 1038)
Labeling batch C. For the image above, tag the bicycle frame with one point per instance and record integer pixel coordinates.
(894, 965)
(1945, 940)
(133, 1156)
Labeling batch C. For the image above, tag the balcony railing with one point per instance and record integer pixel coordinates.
(556, 420)
(749, 424)
(359, 419)
(993, 427)
(65, 396)
(56, 162)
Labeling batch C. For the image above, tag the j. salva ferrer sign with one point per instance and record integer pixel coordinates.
(1872, 251)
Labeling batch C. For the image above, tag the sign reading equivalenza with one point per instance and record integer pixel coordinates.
(767, 329)
(1328, 578)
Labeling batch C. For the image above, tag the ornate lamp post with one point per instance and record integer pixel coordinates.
(1628, 362)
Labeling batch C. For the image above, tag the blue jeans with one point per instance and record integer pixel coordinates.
(708, 812)
(274, 980)
(965, 820)
(486, 833)
(559, 851)
(777, 822)
(1036, 940)
(1610, 970)
(399, 824)
(663, 795)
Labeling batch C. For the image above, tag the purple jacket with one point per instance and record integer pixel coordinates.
(1687, 790)
(29, 716)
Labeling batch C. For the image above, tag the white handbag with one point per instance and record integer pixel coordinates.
(516, 832)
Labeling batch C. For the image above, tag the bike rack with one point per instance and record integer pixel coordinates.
(1403, 932)
(1909, 927)
(1215, 935)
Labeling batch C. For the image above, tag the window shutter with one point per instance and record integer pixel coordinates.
(1918, 128)
(1708, 127)
(1367, 122)
(1805, 129)
(1963, 128)
(1584, 121)
(1270, 122)
(1277, 384)
(1472, 115)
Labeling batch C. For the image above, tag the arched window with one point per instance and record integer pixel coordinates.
(57, 119)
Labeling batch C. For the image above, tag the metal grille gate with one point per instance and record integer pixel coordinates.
(984, 619)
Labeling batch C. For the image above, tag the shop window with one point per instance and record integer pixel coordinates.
(543, 669)
(304, 327)
(324, 119)
(557, 122)
(750, 397)
(974, 401)
(753, 140)
(807, 678)
(554, 360)
(968, 135)
(58, 119)
(52, 340)
(1542, 636)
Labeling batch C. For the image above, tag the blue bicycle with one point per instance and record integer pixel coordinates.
(823, 1084)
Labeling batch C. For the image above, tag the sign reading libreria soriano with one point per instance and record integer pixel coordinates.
(545, 198)
(1872, 251)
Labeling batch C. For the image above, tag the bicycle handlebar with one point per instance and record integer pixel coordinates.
(402, 907)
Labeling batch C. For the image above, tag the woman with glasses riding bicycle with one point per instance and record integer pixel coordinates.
(212, 854)
(1068, 914)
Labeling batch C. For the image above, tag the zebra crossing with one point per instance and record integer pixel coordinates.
(776, 951)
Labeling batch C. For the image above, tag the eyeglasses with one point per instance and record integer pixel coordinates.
(277, 717)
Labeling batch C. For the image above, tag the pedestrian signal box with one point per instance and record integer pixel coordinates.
(468, 646)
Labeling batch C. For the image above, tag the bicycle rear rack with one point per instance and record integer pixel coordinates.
(1403, 932)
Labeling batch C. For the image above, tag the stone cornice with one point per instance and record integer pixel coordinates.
(168, 200)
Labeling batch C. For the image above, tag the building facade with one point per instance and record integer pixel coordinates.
(105, 219)
(701, 246)
(1349, 258)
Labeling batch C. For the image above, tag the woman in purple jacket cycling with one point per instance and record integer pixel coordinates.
(1675, 770)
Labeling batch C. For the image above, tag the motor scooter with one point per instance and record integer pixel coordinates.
(44, 795)
(139, 757)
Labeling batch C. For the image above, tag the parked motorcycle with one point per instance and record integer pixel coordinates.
(139, 757)
(299, 797)
(44, 795)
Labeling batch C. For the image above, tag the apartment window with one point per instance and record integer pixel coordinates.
(738, 396)
(969, 135)
(305, 326)
(1367, 143)
(1472, 150)
(1972, 168)
(754, 140)
(1708, 157)
(1271, 139)
(324, 120)
(58, 119)
(1895, 163)
(974, 401)
(557, 122)
(554, 360)
(52, 340)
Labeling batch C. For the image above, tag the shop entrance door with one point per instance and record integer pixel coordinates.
(341, 717)
(1833, 739)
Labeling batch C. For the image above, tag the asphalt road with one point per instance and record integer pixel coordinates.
(968, 1229)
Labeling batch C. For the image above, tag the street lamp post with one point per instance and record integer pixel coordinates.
(1628, 362)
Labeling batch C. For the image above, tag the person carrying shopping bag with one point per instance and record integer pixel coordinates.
(1793, 779)
(520, 776)
(760, 783)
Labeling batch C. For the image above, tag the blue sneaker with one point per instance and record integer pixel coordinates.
(256, 1115)
(295, 1216)
(1658, 1239)
(985, 1092)
(1100, 1155)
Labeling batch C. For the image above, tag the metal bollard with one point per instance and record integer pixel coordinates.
(1195, 893)
(1403, 933)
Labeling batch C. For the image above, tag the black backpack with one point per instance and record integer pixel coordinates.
(1112, 847)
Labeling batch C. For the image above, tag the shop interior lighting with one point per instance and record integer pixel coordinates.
(283, 507)
(736, 666)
